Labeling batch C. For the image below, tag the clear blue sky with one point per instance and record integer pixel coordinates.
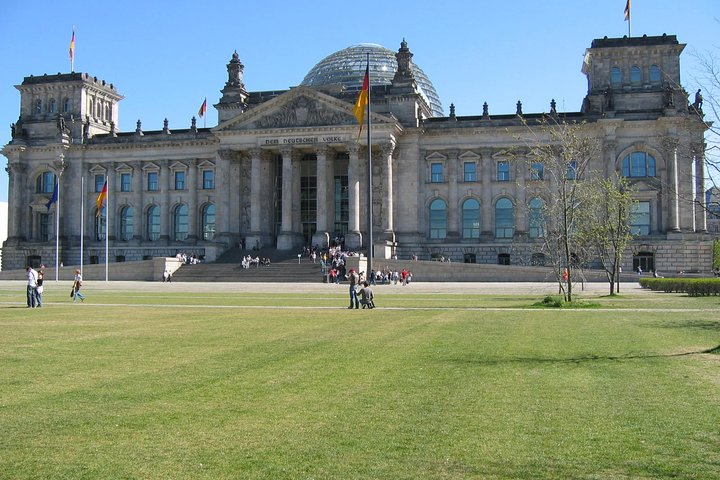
(165, 57)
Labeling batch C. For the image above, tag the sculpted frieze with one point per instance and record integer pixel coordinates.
(303, 112)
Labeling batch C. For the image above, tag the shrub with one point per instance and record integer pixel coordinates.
(694, 287)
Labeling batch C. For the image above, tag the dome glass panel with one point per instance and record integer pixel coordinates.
(347, 67)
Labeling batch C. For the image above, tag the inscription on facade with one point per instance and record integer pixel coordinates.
(303, 140)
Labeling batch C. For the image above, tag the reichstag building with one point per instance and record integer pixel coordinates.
(283, 169)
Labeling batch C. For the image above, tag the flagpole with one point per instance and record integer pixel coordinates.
(107, 225)
(369, 161)
(57, 231)
(82, 220)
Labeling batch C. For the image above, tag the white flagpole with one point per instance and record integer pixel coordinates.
(107, 225)
(82, 220)
(57, 230)
(369, 266)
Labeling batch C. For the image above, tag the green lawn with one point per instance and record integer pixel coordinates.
(294, 386)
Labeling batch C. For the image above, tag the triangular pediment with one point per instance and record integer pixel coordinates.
(300, 107)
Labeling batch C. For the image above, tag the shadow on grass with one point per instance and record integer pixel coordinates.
(688, 324)
(588, 358)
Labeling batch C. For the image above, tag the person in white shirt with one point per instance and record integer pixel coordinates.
(31, 286)
(76, 287)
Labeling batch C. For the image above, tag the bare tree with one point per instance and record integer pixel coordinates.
(609, 232)
(561, 154)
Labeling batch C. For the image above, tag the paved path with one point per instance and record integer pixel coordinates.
(596, 288)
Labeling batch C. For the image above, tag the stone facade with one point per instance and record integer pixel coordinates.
(283, 169)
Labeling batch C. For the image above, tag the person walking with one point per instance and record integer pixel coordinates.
(76, 287)
(32, 277)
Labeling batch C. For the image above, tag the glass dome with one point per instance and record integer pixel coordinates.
(347, 67)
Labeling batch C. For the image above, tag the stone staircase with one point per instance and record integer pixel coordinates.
(284, 267)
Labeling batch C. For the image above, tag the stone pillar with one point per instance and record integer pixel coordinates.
(353, 239)
(256, 238)
(321, 236)
(138, 201)
(521, 207)
(286, 238)
(385, 240)
(453, 231)
(16, 175)
(671, 145)
(700, 202)
(222, 191)
(192, 186)
(165, 182)
(487, 170)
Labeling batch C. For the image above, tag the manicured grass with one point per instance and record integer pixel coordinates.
(261, 386)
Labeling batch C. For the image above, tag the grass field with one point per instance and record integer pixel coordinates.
(211, 385)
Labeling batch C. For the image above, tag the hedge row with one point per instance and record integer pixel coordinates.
(695, 287)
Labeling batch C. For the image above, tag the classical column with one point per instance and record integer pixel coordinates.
(192, 186)
(453, 233)
(321, 236)
(255, 238)
(521, 220)
(285, 240)
(222, 197)
(487, 170)
(165, 220)
(671, 145)
(137, 200)
(16, 175)
(700, 203)
(387, 214)
(353, 239)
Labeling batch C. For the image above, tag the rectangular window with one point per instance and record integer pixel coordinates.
(436, 172)
(640, 219)
(470, 172)
(208, 178)
(179, 180)
(537, 171)
(503, 171)
(152, 181)
(125, 182)
(99, 182)
(572, 170)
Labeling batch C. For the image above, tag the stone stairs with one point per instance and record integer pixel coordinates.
(284, 267)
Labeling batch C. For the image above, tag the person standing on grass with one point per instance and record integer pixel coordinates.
(39, 288)
(32, 277)
(354, 279)
(76, 287)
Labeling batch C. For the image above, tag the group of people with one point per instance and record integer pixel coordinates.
(186, 259)
(35, 287)
(360, 291)
(388, 276)
(249, 261)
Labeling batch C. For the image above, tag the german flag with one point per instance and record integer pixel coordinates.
(102, 196)
(362, 101)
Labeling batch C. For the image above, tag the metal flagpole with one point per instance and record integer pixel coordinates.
(82, 221)
(370, 199)
(57, 230)
(107, 225)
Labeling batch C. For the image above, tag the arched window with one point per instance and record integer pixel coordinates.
(127, 222)
(635, 75)
(66, 105)
(208, 222)
(180, 223)
(536, 220)
(45, 183)
(471, 218)
(655, 76)
(100, 227)
(152, 226)
(438, 218)
(615, 76)
(52, 105)
(639, 164)
(504, 219)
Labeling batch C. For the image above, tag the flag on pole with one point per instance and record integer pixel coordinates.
(54, 197)
(627, 11)
(362, 101)
(203, 108)
(101, 198)
(72, 46)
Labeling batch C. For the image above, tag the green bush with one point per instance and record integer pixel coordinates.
(695, 287)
